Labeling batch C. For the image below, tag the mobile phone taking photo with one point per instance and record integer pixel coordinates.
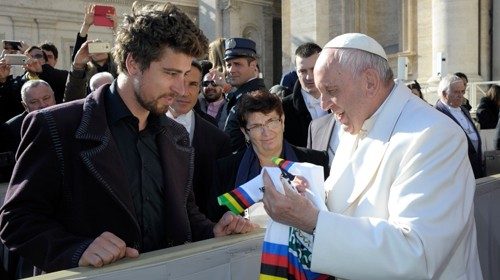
(11, 45)
(16, 59)
(100, 15)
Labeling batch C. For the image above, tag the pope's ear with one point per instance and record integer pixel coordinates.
(372, 81)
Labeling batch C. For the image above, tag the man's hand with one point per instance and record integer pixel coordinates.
(88, 19)
(34, 66)
(106, 249)
(4, 70)
(82, 56)
(24, 47)
(231, 223)
(292, 208)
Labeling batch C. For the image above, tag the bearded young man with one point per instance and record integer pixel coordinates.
(109, 176)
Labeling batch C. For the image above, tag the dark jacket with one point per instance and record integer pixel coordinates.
(69, 186)
(209, 144)
(232, 127)
(487, 113)
(297, 117)
(475, 157)
(10, 98)
(12, 132)
(56, 78)
(227, 169)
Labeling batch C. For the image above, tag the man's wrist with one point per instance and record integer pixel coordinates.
(78, 66)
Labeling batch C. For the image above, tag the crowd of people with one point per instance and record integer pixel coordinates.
(127, 151)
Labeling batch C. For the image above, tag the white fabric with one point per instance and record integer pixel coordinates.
(313, 105)
(186, 120)
(468, 127)
(401, 205)
(357, 41)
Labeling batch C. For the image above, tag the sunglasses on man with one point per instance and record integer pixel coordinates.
(206, 83)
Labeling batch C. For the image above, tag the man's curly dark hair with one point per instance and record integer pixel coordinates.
(148, 29)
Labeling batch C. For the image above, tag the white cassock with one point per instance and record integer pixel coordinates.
(400, 199)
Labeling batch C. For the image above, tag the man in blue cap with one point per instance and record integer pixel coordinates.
(243, 74)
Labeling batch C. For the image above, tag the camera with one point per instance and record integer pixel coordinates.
(99, 47)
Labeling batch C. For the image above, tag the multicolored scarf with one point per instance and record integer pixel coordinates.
(286, 252)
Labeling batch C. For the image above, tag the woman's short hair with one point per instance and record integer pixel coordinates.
(259, 101)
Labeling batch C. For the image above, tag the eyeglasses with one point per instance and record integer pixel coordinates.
(206, 83)
(38, 56)
(269, 124)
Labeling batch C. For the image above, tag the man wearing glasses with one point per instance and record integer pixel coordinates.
(212, 101)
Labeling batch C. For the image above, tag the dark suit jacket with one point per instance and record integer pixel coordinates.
(232, 127)
(475, 157)
(12, 132)
(227, 169)
(297, 117)
(209, 144)
(487, 113)
(69, 186)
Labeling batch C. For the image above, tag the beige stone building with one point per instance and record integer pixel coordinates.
(423, 38)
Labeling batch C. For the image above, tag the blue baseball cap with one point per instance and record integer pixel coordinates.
(239, 47)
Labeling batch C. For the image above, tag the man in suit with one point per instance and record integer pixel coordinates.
(35, 95)
(451, 92)
(241, 57)
(400, 192)
(303, 105)
(209, 142)
(324, 135)
(109, 176)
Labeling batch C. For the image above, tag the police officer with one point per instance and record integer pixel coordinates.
(243, 74)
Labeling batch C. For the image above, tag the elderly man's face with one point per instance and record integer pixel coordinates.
(39, 97)
(455, 95)
(340, 92)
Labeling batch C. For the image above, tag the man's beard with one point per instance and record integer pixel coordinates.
(150, 105)
(212, 96)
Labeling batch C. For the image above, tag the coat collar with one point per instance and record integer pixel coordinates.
(359, 168)
(101, 155)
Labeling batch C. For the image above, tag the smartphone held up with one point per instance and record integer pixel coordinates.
(101, 14)
(16, 59)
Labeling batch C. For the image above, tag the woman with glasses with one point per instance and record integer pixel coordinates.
(261, 119)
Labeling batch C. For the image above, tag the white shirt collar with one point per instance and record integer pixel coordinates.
(313, 105)
(186, 120)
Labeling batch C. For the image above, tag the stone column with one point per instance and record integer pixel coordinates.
(455, 35)
(210, 18)
(495, 60)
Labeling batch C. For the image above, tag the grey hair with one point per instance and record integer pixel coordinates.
(446, 81)
(99, 79)
(33, 84)
(358, 61)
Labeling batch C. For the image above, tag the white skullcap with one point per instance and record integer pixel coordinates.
(357, 41)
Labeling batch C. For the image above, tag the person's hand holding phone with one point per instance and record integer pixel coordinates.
(88, 18)
(34, 66)
(4, 70)
(82, 56)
